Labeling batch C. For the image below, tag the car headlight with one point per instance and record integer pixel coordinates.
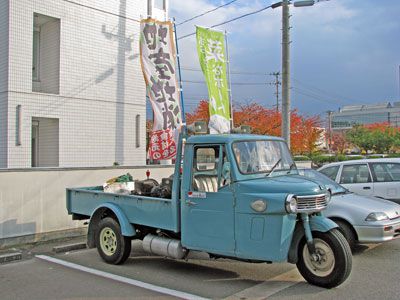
(328, 196)
(377, 216)
(291, 204)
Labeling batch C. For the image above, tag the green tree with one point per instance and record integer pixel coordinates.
(360, 137)
(382, 141)
(378, 137)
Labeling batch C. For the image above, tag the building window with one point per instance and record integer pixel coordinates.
(35, 143)
(18, 126)
(45, 54)
(149, 8)
(35, 53)
(159, 4)
(45, 142)
(137, 131)
(157, 9)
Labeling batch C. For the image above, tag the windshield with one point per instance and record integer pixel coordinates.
(262, 157)
(321, 178)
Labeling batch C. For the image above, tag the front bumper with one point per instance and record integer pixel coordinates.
(384, 231)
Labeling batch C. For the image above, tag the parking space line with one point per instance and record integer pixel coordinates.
(122, 279)
(269, 287)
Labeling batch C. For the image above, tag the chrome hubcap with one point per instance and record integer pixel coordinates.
(322, 262)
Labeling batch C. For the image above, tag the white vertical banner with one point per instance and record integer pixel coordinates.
(158, 59)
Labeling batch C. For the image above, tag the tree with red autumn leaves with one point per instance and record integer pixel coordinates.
(338, 142)
(304, 130)
(201, 113)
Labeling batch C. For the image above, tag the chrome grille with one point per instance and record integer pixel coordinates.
(311, 203)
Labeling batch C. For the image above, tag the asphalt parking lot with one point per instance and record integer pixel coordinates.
(83, 275)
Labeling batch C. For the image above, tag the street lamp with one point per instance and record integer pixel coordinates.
(286, 62)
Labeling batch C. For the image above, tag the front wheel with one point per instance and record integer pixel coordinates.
(348, 233)
(332, 263)
(113, 247)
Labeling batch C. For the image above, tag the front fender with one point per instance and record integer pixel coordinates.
(127, 229)
(322, 224)
(317, 223)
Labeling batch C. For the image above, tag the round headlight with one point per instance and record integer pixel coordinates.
(291, 204)
(328, 196)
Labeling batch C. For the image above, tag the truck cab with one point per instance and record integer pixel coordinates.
(234, 193)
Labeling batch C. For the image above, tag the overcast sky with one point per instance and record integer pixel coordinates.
(343, 51)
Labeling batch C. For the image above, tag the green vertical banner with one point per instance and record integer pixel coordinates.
(211, 51)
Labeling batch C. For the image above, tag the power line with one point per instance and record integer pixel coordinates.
(233, 83)
(232, 72)
(334, 95)
(315, 97)
(205, 13)
(101, 10)
(339, 101)
(231, 20)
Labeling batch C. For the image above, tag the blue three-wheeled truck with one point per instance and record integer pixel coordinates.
(233, 196)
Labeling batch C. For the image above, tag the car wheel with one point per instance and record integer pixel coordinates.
(348, 233)
(333, 261)
(113, 247)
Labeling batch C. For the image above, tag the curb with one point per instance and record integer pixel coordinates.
(69, 247)
(9, 257)
(40, 238)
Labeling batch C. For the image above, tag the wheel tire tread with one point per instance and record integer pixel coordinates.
(123, 243)
(346, 260)
(348, 255)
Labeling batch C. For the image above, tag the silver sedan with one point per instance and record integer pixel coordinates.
(362, 219)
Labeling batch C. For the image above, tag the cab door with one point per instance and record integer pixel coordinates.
(207, 202)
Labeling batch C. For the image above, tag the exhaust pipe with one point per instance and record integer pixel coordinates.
(163, 246)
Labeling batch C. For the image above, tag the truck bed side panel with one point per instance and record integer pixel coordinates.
(149, 211)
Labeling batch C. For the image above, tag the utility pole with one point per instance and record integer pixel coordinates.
(285, 72)
(277, 83)
(329, 112)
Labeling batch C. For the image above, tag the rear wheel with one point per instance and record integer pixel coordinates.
(332, 263)
(113, 247)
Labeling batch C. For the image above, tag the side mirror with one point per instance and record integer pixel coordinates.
(226, 171)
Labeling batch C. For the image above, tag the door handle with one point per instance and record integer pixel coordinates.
(191, 203)
(366, 188)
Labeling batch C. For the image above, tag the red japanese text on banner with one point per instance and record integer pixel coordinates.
(157, 55)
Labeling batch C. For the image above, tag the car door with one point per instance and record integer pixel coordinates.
(386, 177)
(357, 178)
(207, 209)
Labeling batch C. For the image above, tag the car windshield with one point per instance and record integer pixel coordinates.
(262, 157)
(321, 178)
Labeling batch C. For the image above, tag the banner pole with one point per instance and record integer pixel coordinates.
(229, 77)
(180, 79)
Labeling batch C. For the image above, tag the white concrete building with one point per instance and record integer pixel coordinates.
(72, 92)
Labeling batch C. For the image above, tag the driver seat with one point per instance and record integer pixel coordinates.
(205, 183)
